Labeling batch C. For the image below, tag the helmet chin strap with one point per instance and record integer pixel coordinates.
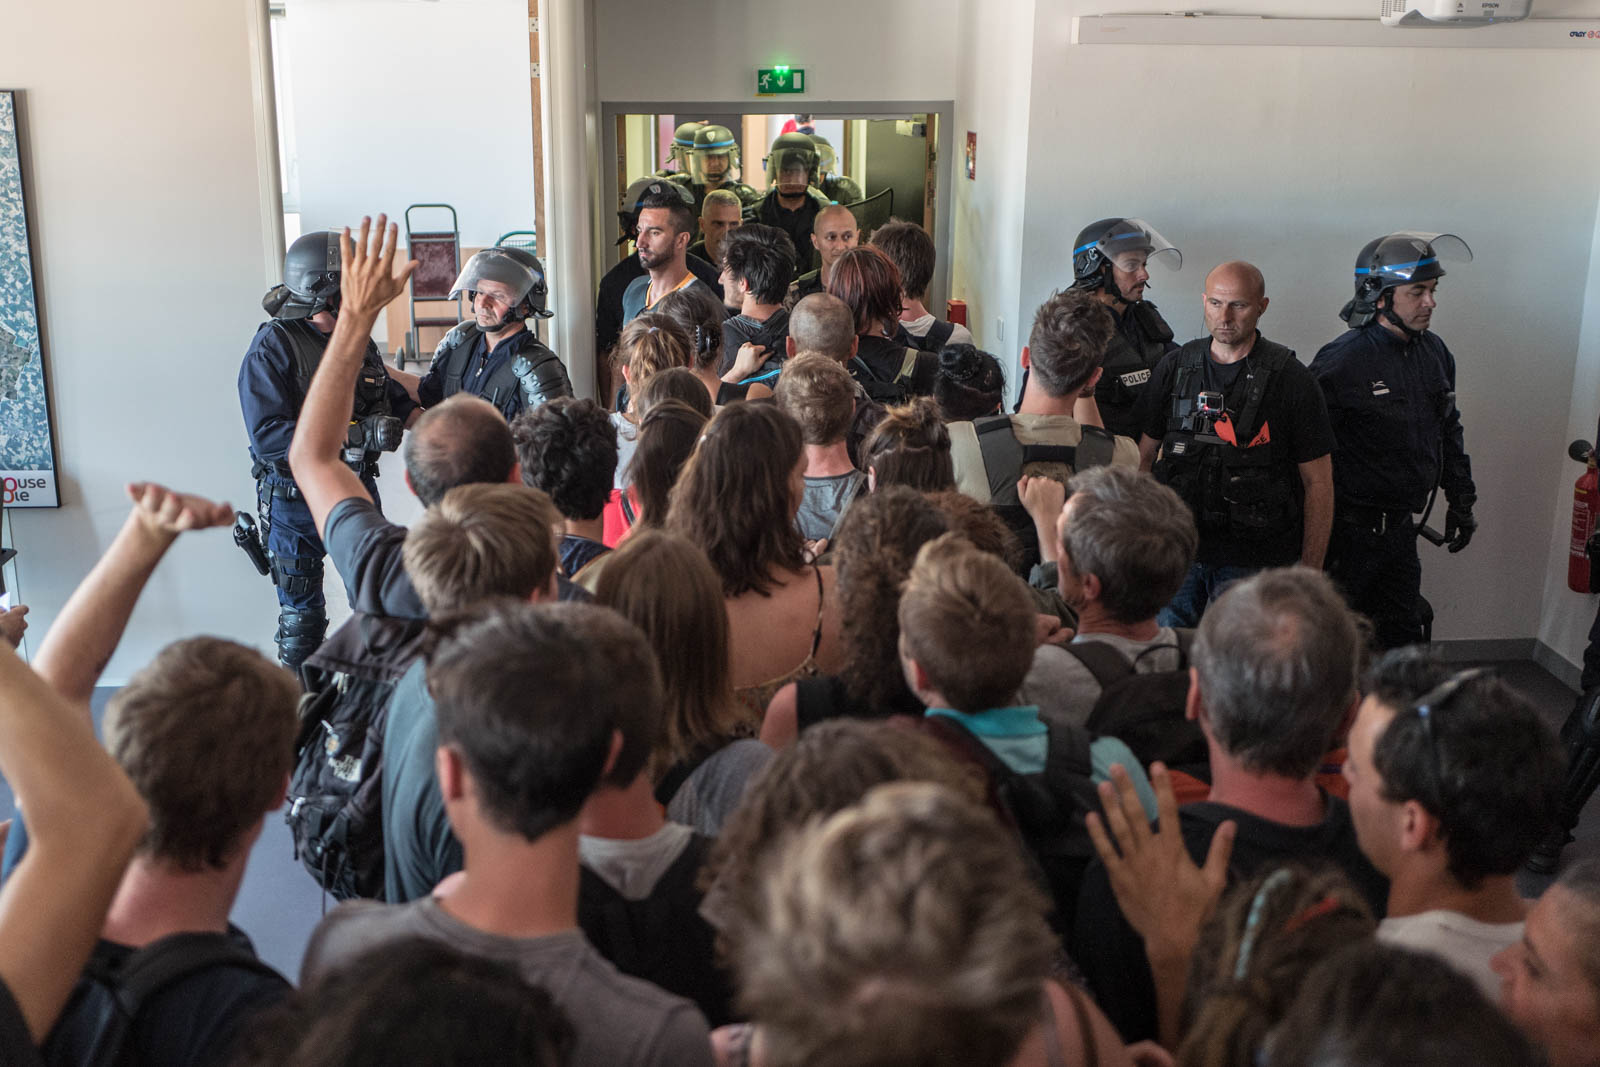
(1386, 309)
(1108, 282)
(506, 320)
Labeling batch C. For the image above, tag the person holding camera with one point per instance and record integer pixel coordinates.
(273, 380)
(1243, 437)
(1390, 386)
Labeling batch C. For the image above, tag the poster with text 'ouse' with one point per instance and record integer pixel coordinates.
(27, 449)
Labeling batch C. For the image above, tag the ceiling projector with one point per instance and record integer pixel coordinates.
(1448, 13)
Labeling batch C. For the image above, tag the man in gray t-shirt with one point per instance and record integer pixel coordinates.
(530, 702)
(821, 396)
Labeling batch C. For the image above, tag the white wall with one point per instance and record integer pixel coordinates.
(1564, 626)
(146, 195)
(1255, 153)
(398, 102)
(709, 50)
(992, 101)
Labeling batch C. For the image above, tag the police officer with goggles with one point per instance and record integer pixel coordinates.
(493, 354)
(793, 201)
(1111, 259)
(1390, 385)
(273, 380)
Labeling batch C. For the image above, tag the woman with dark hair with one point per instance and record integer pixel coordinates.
(970, 383)
(668, 431)
(736, 499)
(910, 446)
(663, 584)
(700, 315)
(886, 360)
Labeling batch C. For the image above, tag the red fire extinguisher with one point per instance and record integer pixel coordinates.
(1585, 509)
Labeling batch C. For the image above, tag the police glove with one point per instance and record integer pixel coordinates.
(375, 433)
(1459, 526)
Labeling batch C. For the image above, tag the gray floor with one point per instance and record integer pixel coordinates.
(279, 903)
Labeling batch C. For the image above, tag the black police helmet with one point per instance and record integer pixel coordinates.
(633, 202)
(1399, 258)
(310, 278)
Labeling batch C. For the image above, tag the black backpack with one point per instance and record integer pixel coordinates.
(335, 803)
(96, 1027)
(936, 338)
(896, 390)
(1005, 457)
(662, 939)
(1047, 809)
(1145, 711)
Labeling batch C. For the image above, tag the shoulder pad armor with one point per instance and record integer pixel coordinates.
(1150, 321)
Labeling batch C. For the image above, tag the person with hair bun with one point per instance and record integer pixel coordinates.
(649, 344)
(910, 446)
(701, 315)
(970, 383)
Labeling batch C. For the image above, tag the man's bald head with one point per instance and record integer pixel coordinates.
(1239, 276)
(834, 215)
(463, 441)
(824, 324)
(1235, 297)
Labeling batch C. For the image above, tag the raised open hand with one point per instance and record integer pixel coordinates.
(369, 276)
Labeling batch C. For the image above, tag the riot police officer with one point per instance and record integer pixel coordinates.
(714, 164)
(1111, 259)
(677, 161)
(273, 379)
(1390, 385)
(793, 201)
(494, 355)
(839, 188)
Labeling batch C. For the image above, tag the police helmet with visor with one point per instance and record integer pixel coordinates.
(792, 152)
(501, 267)
(714, 142)
(1399, 258)
(682, 144)
(1123, 244)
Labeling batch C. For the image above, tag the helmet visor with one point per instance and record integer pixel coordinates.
(791, 166)
(715, 163)
(1408, 254)
(496, 266)
(1134, 243)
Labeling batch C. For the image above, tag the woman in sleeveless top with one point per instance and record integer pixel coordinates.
(737, 498)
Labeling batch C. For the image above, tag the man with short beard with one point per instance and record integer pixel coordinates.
(666, 226)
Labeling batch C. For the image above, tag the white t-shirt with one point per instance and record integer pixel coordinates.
(1465, 943)
(959, 334)
(627, 445)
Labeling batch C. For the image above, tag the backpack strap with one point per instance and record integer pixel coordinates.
(161, 963)
(1265, 364)
(908, 366)
(1066, 755)
(1096, 448)
(1002, 457)
(681, 772)
(938, 335)
(1101, 660)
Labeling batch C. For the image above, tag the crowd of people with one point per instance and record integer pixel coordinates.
(803, 707)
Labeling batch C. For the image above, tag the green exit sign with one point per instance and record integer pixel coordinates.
(776, 81)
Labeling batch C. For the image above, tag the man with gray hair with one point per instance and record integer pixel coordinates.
(1117, 550)
(1272, 686)
(822, 324)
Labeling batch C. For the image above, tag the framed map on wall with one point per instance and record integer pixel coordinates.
(27, 446)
